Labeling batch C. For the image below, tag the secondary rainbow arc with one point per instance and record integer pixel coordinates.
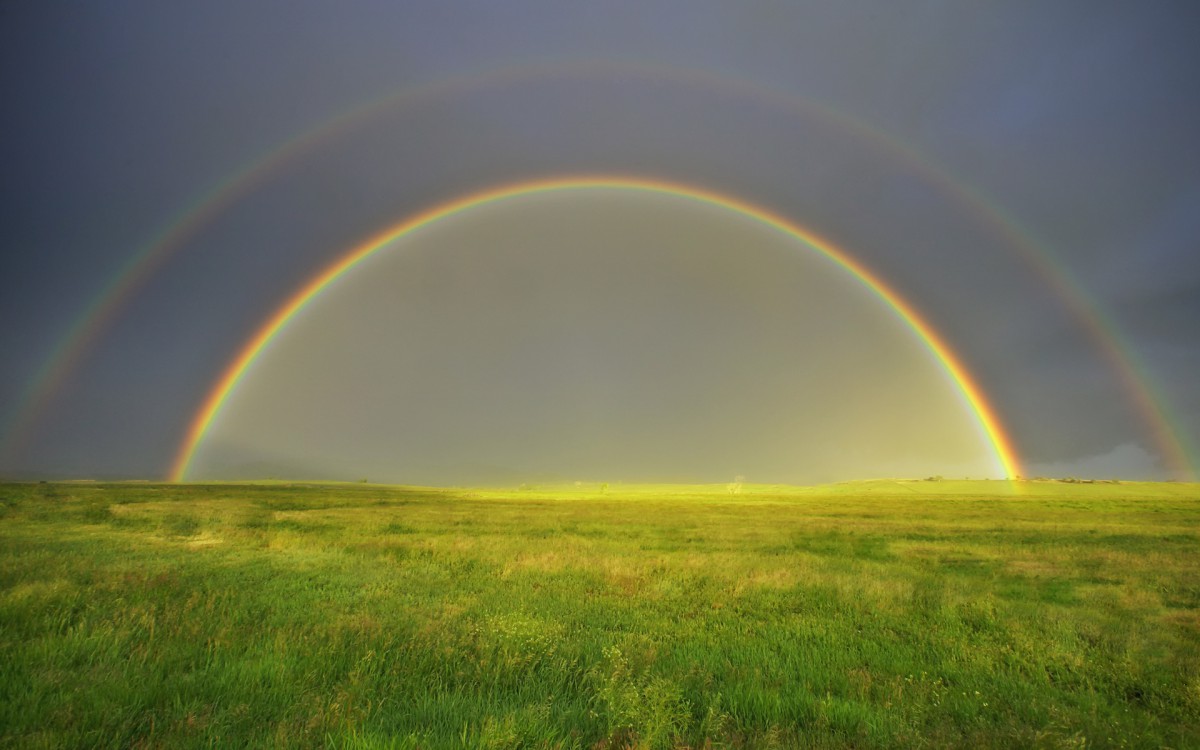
(988, 421)
(1136, 377)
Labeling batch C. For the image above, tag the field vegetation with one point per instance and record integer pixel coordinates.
(868, 615)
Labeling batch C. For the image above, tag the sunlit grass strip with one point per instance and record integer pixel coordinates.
(988, 421)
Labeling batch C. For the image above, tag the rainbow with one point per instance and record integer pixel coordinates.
(968, 388)
(1137, 380)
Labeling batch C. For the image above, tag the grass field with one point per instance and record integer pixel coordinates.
(882, 614)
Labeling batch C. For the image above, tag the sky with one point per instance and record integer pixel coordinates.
(1025, 176)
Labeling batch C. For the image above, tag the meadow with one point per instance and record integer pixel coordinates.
(869, 615)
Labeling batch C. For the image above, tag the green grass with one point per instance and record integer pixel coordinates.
(881, 614)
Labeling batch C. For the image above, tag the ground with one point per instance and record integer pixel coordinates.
(878, 614)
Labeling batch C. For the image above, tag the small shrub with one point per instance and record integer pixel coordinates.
(649, 710)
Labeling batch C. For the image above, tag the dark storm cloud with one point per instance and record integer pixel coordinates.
(1077, 119)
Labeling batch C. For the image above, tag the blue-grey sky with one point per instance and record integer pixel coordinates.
(931, 140)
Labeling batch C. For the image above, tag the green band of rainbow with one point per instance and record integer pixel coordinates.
(986, 416)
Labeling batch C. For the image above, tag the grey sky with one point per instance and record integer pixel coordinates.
(1076, 120)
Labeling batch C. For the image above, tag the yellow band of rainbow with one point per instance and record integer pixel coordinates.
(984, 413)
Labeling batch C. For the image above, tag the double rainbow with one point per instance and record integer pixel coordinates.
(1136, 378)
(984, 413)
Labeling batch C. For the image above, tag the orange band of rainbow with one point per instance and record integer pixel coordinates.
(986, 416)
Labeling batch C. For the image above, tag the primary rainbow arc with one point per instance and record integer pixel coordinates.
(1135, 375)
(989, 423)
